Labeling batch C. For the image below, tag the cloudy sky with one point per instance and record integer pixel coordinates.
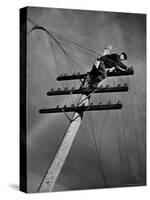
(120, 135)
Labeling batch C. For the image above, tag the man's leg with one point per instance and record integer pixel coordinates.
(95, 76)
(94, 81)
(90, 81)
(98, 77)
(86, 81)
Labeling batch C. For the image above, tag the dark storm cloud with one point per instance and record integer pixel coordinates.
(125, 32)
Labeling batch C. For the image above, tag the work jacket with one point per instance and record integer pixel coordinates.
(112, 60)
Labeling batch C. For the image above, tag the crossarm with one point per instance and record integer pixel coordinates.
(106, 89)
(80, 109)
(65, 77)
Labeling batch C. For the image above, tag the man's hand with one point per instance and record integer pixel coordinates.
(107, 50)
(130, 68)
(109, 47)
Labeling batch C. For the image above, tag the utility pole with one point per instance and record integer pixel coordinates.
(62, 153)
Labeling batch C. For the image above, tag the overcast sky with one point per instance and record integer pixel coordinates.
(119, 140)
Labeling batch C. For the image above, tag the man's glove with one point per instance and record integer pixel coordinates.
(109, 47)
(130, 68)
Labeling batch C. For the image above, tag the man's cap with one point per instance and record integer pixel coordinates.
(125, 55)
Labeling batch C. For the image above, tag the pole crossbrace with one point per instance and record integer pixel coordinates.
(67, 115)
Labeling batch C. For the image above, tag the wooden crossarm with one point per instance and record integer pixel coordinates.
(88, 91)
(66, 77)
(80, 109)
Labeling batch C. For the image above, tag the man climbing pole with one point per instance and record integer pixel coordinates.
(104, 63)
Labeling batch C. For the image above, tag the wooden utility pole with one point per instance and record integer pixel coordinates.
(53, 172)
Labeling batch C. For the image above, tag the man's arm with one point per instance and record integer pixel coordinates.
(121, 66)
